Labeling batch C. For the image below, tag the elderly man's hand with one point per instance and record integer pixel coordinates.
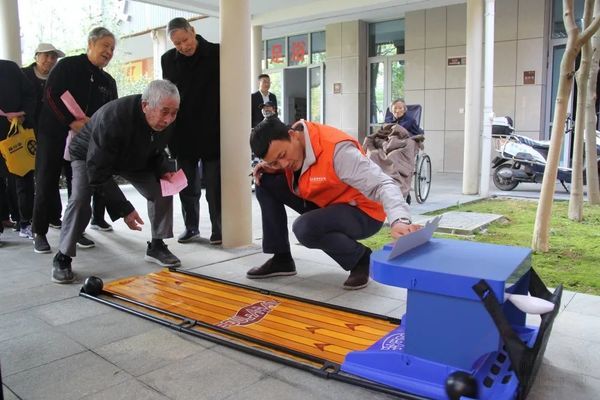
(262, 168)
(401, 229)
(133, 221)
(78, 124)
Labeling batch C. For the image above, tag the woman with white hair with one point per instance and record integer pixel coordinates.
(84, 77)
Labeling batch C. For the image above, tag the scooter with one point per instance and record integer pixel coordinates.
(521, 159)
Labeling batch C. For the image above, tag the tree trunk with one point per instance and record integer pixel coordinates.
(576, 198)
(575, 40)
(593, 187)
(541, 228)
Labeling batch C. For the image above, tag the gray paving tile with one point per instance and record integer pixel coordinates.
(577, 325)
(585, 304)
(206, 375)
(270, 389)
(8, 394)
(555, 382)
(573, 354)
(102, 329)
(312, 289)
(382, 290)
(397, 312)
(20, 300)
(148, 351)
(567, 297)
(29, 351)
(69, 310)
(256, 362)
(360, 300)
(327, 389)
(19, 324)
(69, 378)
(131, 389)
(21, 279)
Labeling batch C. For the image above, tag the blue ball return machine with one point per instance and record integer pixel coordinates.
(460, 337)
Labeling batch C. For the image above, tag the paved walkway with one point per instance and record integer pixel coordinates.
(56, 345)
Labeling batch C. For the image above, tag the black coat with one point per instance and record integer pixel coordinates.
(90, 86)
(257, 100)
(38, 85)
(16, 94)
(197, 127)
(118, 139)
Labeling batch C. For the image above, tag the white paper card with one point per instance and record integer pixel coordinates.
(414, 239)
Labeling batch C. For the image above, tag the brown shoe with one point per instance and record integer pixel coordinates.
(273, 268)
(359, 276)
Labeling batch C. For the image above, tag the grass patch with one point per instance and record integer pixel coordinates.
(574, 255)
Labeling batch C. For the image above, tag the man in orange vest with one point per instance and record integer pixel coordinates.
(323, 174)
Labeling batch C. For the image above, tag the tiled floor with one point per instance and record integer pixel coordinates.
(57, 345)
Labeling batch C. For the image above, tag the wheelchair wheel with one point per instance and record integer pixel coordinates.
(423, 178)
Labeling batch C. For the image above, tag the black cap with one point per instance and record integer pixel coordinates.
(268, 103)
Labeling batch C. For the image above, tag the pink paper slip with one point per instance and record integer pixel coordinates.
(173, 185)
(72, 105)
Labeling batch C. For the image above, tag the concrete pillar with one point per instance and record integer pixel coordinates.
(159, 47)
(257, 48)
(473, 96)
(10, 35)
(488, 99)
(235, 101)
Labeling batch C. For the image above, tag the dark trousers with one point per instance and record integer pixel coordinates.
(334, 229)
(8, 199)
(24, 188)
(190, 196)
(48, 165)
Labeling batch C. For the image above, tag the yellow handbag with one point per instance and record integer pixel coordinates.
(18, 149)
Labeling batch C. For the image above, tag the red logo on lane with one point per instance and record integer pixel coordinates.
(250, 314)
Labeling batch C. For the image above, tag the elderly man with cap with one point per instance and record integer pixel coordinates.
(46, 57)
(262, 97)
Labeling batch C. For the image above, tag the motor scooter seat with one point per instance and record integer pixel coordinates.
(536, 144)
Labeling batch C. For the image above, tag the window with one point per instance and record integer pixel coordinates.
(386, 67)
(298, 52)
(276, 53)
(317, 47)
(386, 38)
(558, 26)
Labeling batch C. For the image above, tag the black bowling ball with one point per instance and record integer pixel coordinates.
(460, 383)
(93, 286)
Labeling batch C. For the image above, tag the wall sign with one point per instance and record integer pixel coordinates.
(454, 61)
(528, 77)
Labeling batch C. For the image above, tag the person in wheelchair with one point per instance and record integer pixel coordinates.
(396, 114)
(394, 149)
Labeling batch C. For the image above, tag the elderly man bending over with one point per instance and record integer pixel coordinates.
(125, 137)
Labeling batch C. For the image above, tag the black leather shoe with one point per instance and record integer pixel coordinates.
(273, 268)
(188, 235)
(359, 276)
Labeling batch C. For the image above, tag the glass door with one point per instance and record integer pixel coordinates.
(316, 105)
(386, 84)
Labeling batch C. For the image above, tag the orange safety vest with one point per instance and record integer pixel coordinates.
(320, 184)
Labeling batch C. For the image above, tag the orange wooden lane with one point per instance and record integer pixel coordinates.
(312, 329)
